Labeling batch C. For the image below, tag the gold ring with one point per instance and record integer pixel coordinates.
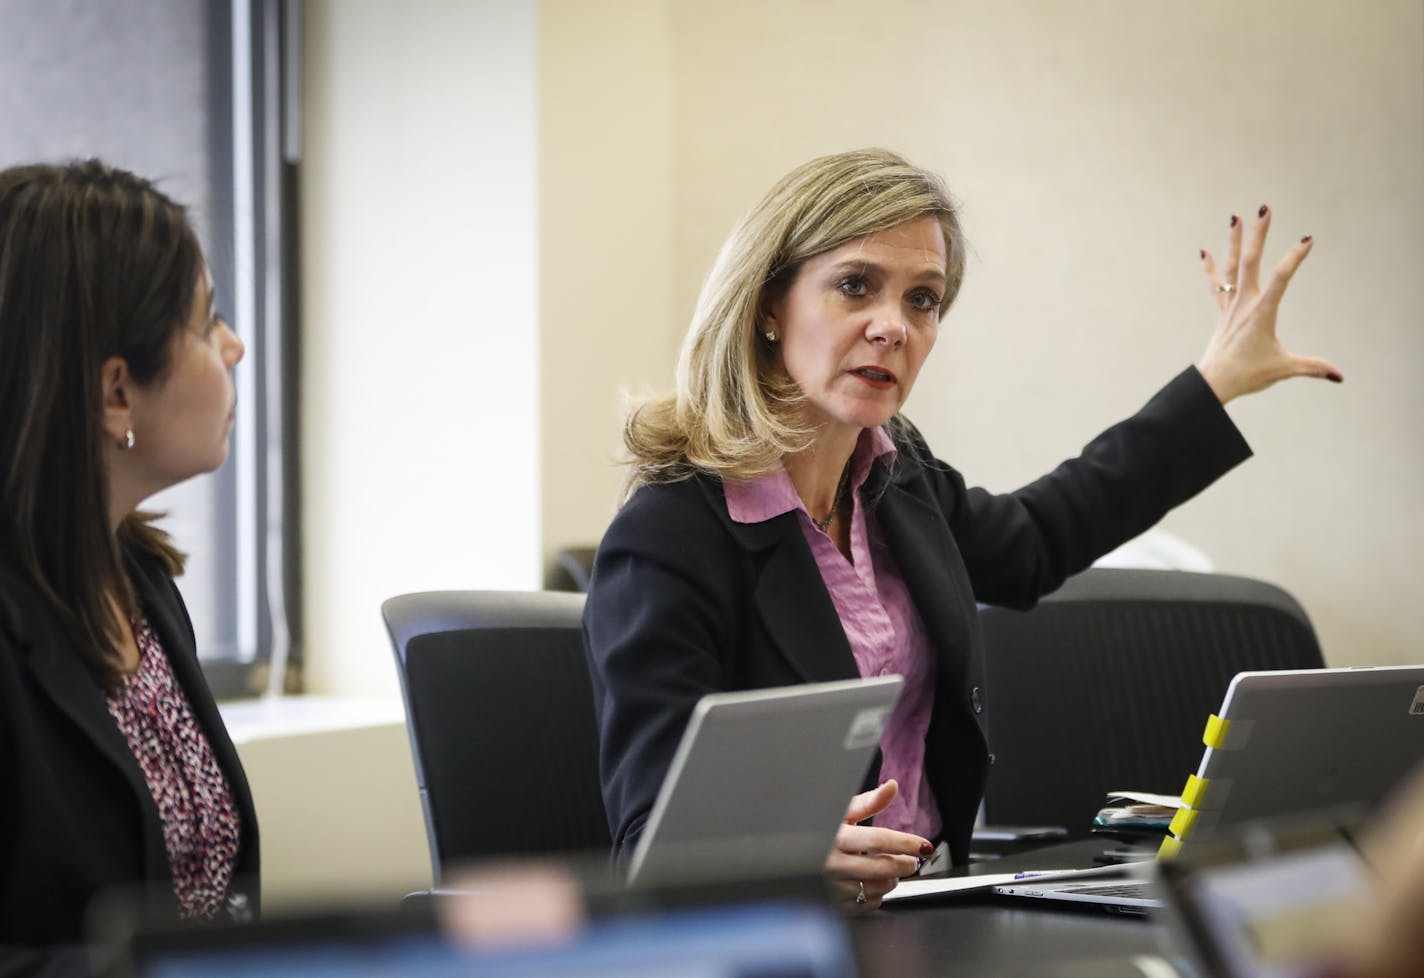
(1226, 287)
(860, 897)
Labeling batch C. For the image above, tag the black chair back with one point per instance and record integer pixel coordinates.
(499, 708)
(1107, 684)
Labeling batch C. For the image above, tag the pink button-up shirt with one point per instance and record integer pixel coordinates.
(881, 623)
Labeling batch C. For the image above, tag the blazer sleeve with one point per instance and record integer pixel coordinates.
(1021, 545)
(657, 617)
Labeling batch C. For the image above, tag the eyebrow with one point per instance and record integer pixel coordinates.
(928, 274)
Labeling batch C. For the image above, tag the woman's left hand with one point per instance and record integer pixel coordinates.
(866, 862)
(1244, 354)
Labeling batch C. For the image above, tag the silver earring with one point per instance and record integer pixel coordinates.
(127, 443)
(771, 336)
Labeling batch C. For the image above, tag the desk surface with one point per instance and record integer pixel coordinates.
(987, 935)
(984, 936)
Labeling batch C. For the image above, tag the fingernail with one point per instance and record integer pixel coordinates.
(1334, 378)
(1307, 239)
(1262, 211)
(1233, 220)
(926, 849)
(1202, 254)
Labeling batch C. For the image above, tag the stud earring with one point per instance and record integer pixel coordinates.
(128, 441)
(771, 336)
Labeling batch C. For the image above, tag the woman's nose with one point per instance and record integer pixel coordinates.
(888, 328)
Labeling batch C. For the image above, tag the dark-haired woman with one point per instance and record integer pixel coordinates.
(115, 383)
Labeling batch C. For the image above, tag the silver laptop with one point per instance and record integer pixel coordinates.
(1284, 744)
(761, 780)
(1299, 741)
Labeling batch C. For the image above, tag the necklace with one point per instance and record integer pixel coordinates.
(825, 524)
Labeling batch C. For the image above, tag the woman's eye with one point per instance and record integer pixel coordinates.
(853, 286)
(925, 301)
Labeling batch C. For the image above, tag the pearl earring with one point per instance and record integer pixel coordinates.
(128, 441)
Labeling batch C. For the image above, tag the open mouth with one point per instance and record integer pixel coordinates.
(875, 375)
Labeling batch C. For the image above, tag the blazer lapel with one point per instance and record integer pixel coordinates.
(64, 679)
(921, 542)
(799, 614)
(790, 595)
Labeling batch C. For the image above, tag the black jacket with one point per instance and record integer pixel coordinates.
(684, 601)
(77, 815)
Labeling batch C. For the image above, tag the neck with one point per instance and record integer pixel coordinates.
(816, 471)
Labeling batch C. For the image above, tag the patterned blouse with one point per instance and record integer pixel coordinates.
(200, 822)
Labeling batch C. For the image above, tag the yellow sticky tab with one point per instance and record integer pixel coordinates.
(1169, 848)
(1215, 731)
(1182, 822)
(1192, 793)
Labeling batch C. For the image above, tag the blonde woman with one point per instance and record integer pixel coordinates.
(784, 524)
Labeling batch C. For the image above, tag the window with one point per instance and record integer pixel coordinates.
(202, 99)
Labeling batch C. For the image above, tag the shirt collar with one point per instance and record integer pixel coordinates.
(770, 495)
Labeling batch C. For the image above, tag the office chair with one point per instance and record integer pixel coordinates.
(499, 708)
(1108, 682)
(572, 570)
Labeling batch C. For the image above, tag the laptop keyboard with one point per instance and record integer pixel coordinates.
(1129, 888)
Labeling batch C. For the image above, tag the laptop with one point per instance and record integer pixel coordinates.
(761, 780)
(1279, 899)
(1284, 744)
(1297, 741)
(687, 934)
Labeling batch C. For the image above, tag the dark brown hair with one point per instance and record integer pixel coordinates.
(94, 263)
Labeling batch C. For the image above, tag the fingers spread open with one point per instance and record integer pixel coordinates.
(1229, 268)
(1315, 367)
(1250, 276)
(1281, 277)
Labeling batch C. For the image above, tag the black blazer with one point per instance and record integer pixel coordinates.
(77, 815)
(683, 601)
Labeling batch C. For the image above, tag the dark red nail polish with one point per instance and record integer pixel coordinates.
(1307, 239)
(926, 849)
(1233, 220)
(1202, 254)
(1334, 378)
(1262, 211)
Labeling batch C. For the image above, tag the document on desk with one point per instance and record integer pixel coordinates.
(918, 889)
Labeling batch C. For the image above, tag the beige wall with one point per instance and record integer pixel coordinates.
(606, 131)
(1095, 146)
(420, 415)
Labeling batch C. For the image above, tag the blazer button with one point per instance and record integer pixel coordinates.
(976, 700)
(991, 757)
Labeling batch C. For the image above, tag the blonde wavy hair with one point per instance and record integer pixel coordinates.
(734, 413)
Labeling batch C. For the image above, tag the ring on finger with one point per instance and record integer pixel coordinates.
(860, 897)
(1226, 287)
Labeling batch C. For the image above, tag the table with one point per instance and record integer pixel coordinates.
(980, 934)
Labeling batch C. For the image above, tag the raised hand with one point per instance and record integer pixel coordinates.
(1244, 354)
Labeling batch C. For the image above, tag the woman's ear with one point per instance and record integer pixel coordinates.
(117, 406)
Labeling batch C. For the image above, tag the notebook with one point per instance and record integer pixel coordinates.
(761, 780)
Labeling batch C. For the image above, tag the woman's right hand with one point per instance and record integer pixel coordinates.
(868, 860)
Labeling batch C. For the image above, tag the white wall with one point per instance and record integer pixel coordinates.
(606, 234)
(420, 377)
(1095, 146)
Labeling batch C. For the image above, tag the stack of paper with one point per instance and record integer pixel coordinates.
(1146, 812)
